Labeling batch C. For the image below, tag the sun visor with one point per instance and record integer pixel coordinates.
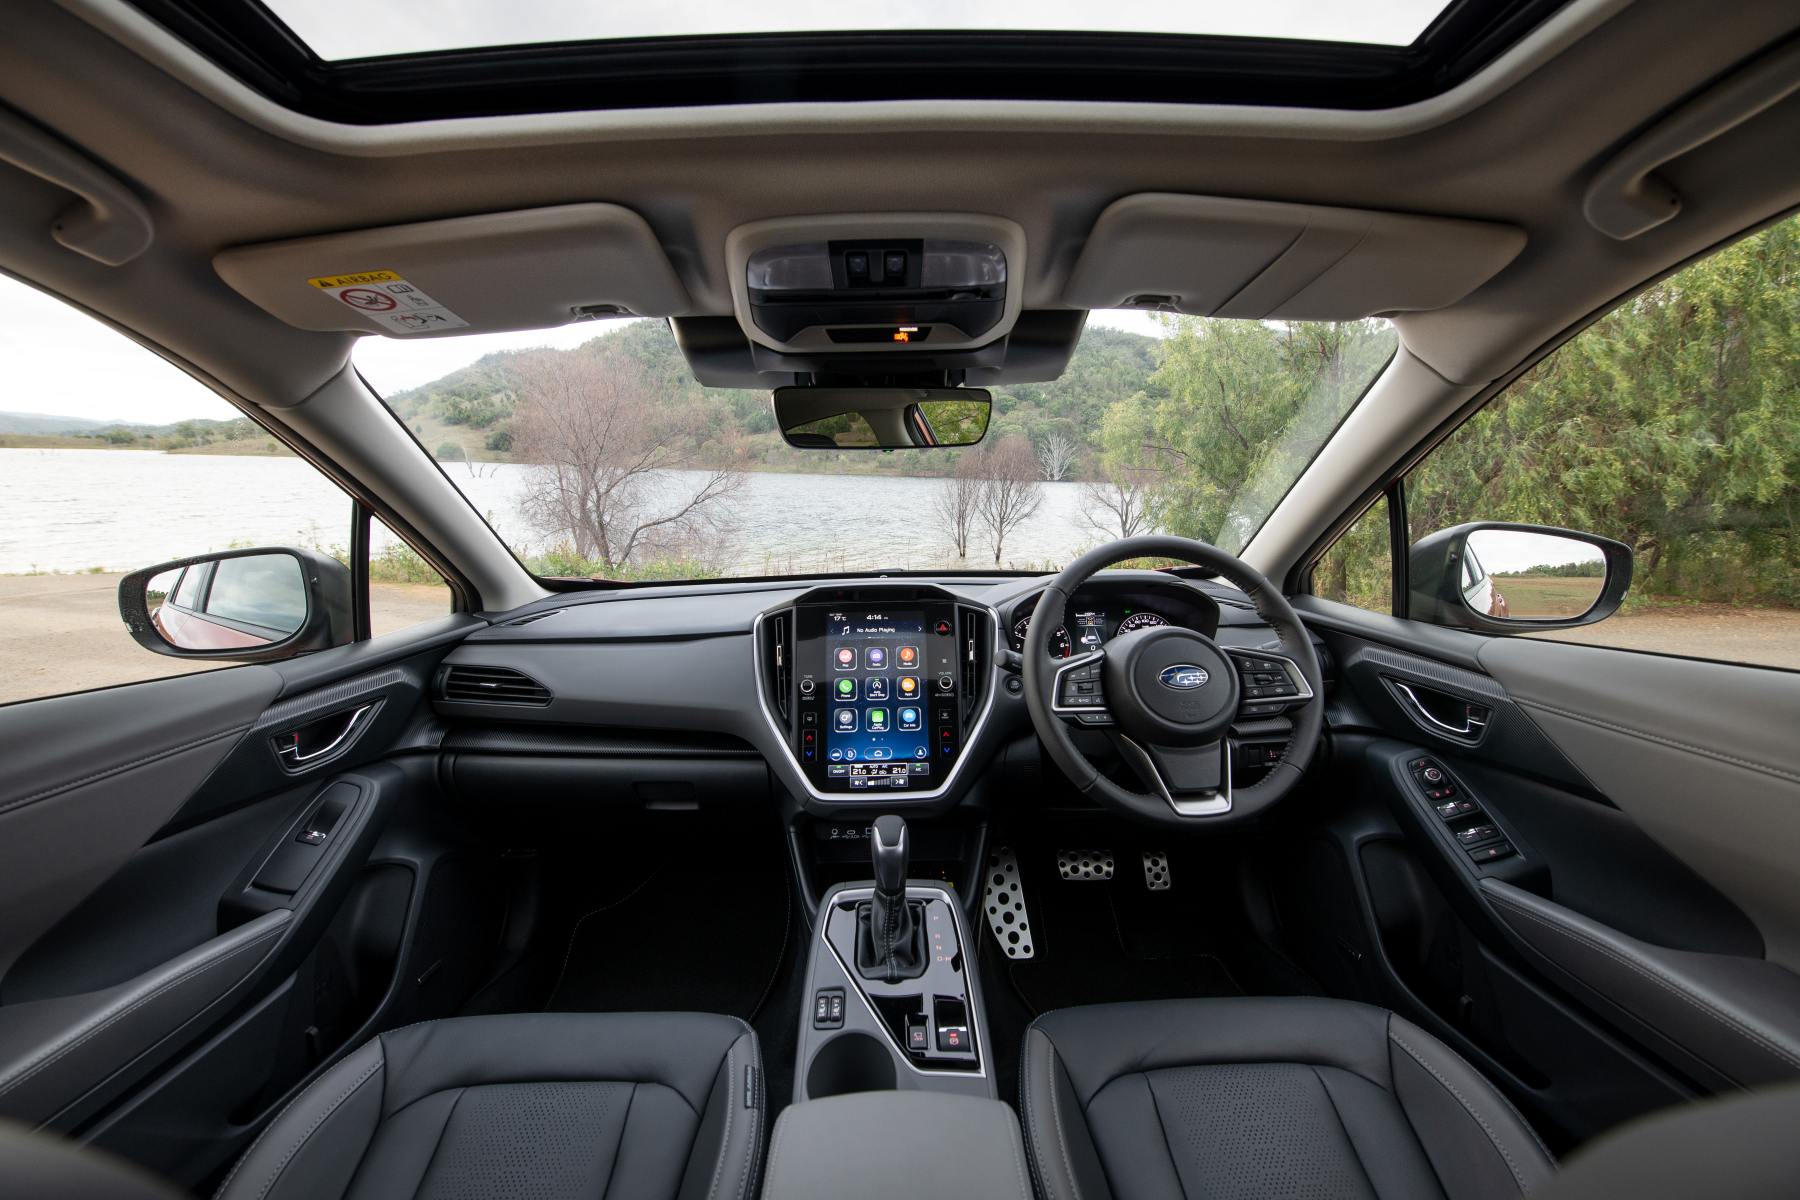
(1215, 257)
(482, 274)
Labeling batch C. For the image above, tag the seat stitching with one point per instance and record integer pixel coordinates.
(1750, 763)
(1518, 1176)
(1350, 1140)
(1062, 1141)
(1650, 973)
(1037, 1146)
(162, 988)
(724, 1138)
(755, 1119)
(136, 762)
(314, 1127)
(439, 1143)
(624, 1128)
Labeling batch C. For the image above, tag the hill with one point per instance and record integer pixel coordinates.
(469, 412)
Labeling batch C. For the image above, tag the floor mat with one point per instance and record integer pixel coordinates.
(697, 934)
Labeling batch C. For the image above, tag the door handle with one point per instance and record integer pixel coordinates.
(1468, 724)
(318, 741)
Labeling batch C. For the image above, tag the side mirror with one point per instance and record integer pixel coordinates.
(240, 605)
(1499, 577)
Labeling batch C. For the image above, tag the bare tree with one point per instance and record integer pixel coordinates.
(957, 501)
(1056, 454)
(600, 442)
(1117, 506)
(1010, 489)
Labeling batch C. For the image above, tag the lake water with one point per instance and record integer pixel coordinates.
(71, 510)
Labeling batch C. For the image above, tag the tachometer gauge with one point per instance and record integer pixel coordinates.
(1059, 637)
(1141, 620)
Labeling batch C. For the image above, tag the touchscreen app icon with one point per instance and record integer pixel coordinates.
(909, 686)
(846, 689)
(878, 720)
(845, 720)
(875, 657)
(846, 659)
(877, 687)
(908, 656)
(909, 719)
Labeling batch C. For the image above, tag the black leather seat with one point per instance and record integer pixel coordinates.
(546, 1105)
(1263, 1098)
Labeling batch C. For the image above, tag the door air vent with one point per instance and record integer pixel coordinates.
(491, 685)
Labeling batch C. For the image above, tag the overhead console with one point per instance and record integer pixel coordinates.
(877, 692)
(890, 283)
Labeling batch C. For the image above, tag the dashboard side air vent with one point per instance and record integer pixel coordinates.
(491, 685)
(976, 651)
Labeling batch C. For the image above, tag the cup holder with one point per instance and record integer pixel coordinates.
(850, 1062)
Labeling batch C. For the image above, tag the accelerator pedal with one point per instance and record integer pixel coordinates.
(1084, 866)
(1156, 871)
(1003, 899)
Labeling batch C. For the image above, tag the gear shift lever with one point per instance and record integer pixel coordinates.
(887, 843)
(888, 943)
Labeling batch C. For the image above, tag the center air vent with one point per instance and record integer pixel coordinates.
(491, 685)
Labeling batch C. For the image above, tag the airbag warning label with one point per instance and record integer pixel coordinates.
(388, 300)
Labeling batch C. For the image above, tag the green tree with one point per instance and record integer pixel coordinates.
(1672, 424)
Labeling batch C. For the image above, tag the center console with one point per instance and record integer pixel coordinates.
(891, 1002)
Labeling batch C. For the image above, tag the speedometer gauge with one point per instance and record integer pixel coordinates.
(1059, 637)
(1141, 620)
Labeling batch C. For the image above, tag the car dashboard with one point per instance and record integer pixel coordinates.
(857, 695)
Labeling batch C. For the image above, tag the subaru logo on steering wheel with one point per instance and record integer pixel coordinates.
(1184, 677)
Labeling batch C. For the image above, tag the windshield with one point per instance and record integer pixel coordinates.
(595, 454)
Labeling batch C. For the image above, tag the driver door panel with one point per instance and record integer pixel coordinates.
(1633, 915)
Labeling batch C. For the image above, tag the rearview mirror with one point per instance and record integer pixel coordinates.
(240, 605)
(871, 418)
(1505, 578)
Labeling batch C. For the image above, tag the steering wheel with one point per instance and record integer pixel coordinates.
(1167, 696)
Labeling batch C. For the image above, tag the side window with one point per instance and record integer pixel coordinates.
(122, 462)
(1672, 425)
(1359, 567)
(404, 589)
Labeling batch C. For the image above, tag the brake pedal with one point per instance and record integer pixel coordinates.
(1156, 871)
(1003, 897)
(1084, 866)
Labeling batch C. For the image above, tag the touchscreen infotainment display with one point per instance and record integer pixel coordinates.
(876, 712)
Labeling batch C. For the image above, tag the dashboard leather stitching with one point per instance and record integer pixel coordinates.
(1655, 976)
(115, 1017)
(127, 766)
(1469, 1108)
(1632, 731)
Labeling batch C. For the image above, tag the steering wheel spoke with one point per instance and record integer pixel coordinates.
(1195, 780)
(1080, 691)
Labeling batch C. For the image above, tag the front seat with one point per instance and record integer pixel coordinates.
(1265, 1097)
(547, 1105)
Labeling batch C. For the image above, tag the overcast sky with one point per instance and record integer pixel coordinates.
(62, 362)
(338, 29)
